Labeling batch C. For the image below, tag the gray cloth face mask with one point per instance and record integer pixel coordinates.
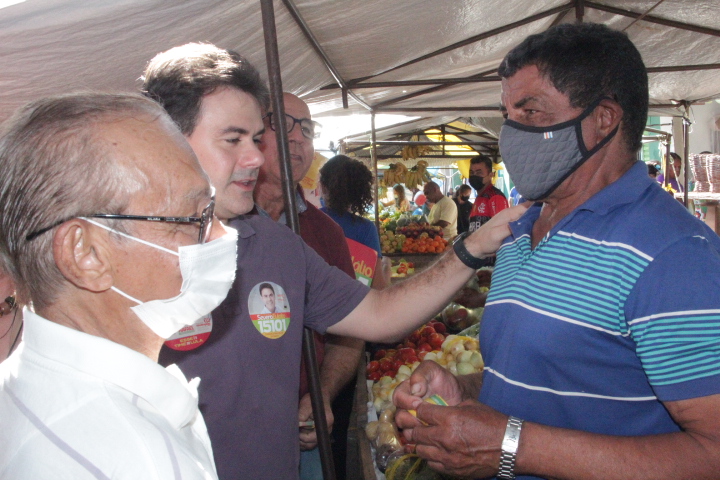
(539, 159)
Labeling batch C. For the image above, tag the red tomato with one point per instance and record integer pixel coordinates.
(397, 364)
(386, 364)
(402, 268)
(405, 352)
(411, 265)
(380, 354)
(424, 347)
(412, 359)
(373, 366)
(436, 340)
(427, 330)
(415, 337)
(439, 327)
(421, 355)
(374, 376)
(409, 344)
(391, 373)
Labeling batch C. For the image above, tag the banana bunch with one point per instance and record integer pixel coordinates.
(415, 151)
(417, 176)
(394, 175)
(411, 179)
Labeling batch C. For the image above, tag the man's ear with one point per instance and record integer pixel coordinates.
(608, 115)
(83, 256)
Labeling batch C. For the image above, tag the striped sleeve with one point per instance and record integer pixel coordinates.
(673, 314)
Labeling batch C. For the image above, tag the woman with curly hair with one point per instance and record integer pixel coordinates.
(347, 193)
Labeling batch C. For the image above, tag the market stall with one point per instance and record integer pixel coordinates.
(391, 64)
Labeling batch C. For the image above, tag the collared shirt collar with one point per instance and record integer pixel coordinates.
(164, 388)
(627, 189)
(624, 190)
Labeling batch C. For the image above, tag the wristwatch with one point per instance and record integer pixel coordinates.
(462, 253)
(509, 449)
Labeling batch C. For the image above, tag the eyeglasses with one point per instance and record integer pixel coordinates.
(309, 129)
(205, 220)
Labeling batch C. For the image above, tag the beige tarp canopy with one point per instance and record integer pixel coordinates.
(426, 58)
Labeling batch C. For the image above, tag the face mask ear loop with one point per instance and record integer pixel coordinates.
(130, 237)
(578, 130)
(132, 299)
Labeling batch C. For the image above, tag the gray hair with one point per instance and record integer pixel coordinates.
(55, 166)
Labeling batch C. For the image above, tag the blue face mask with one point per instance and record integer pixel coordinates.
(539, 159)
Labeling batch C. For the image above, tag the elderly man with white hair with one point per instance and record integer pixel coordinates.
(107, 230)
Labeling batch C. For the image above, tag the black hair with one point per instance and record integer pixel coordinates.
(482, 159)
(586, 61)
(265, 285)
(179, 78)
(347, 184)
(464, 188)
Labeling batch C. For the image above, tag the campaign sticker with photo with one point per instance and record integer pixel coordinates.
(269, 309)
(192, 336)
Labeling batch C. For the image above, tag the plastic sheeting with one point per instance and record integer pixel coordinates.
(57, 46)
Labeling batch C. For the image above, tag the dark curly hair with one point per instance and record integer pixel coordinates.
(347, 184)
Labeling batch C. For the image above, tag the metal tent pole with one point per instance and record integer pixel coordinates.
(686, 154)
(311, 365)
(373, 153)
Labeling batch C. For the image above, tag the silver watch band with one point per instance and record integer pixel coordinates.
(509, 449)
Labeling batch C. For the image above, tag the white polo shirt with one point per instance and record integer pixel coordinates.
(76, 406)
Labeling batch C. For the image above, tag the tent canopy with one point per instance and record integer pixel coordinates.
(414, 57)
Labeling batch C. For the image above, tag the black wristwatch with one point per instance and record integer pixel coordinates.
(462, 253)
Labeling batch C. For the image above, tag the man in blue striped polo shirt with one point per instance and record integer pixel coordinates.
(591, 370)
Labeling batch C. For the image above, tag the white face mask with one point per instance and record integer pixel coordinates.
(208, 272)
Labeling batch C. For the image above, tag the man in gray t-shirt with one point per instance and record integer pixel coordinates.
(249, 360)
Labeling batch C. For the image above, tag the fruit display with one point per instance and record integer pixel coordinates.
(416, 230)
(402, 268)
(424, 244)
(390, 242)
(389, 367)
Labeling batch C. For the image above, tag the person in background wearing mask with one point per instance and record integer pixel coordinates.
(588, 372)
(462, 201)
(489, 200)
(111, 273)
